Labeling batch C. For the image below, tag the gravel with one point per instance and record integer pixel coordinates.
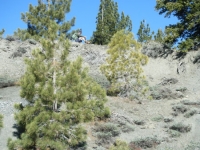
(8, 97)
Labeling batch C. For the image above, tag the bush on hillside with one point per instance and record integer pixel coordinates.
(180, 127)
(155, 49)
(147, 142)
(105, 133)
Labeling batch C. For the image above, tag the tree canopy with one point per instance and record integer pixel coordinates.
(144, 33)
(108, 22)
(124, 62)
(187, 29)
(37, 19)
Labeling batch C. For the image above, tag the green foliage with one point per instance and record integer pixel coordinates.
(159, 36)
(144, 33)
(106, 132)
(2, 32)
(188, 26)
(60, 96)
(119, 145)
(181, 127)
(190, 113)
(40, 16)
(124, 61)
(113, 91)
(109, 22)
(144, 143)
(174, 133)
(1, 121)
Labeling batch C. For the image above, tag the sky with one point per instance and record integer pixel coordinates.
(85, 12)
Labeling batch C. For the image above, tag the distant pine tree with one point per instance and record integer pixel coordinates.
(60, 95)
(159, 36)
(144, 33)
(109, 22)
(2, 32)
(124, 62)
(37, 21)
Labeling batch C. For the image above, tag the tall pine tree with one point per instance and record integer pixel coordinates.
(36, 18)
(51, 81)
(109, 22)
(144, 33)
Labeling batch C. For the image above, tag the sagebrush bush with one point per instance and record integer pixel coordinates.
(174, 133)
(190, 113)
(105, 133)
(180, 127)
(11, 38)
(119, 145)
(147, 142)
(180, 108)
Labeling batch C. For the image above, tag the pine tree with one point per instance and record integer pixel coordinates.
(144, 33)
(109, 22)
(187, 29)
(1, 121)
(51, 81)
(159, 36)
(124, 23)
(2, 32)
(124, 61)
(36, 18)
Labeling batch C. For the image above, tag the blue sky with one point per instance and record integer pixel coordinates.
(86, 12)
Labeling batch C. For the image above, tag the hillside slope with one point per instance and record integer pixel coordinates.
(174, 86)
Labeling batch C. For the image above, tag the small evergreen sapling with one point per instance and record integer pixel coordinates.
(124, 62)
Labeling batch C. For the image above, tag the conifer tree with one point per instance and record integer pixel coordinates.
(1, 121)
(109, 22)
(124, 61)
(2, 32)
(186, 32)
(52, 81)
(124, 23)
(144, 33)
(159, 36)
(54, 9)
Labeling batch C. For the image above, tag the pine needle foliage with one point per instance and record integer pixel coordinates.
(144, 33)
(108, 22)
(60, 96)
(1, 121)
(38, 16)
(186, 32)
(124, 61)
(159, 36)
